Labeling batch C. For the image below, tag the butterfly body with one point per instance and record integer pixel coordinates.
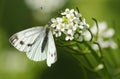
(45, 39)
(37, 42)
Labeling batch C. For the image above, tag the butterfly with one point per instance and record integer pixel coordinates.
(37, 42)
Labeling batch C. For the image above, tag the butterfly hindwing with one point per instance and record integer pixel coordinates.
(52, 53)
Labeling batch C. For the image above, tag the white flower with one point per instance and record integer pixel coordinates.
(87, 35)
(60, 26)
(71, 26)
(112, 44)
(71, 14)
(67, 11)
(69, 31)
(105, 35)
(54, 21)
(57, 33)
(69, 37)
(69, 23)
(84, 24)
(109, 33)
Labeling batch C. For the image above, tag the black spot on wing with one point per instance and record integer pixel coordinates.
(29, 45)
(51, 55)
(21, 42)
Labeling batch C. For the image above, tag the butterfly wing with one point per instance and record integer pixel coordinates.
(36, 52)
(51, 52)
(30, 41)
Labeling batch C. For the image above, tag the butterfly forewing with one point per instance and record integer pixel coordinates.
(35, 52)
(37, 42)
(24, 39)
(30, 41)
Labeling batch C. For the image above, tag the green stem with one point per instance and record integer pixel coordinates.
(91, 34)
(77, 9)
(84, 72)
(64, 45)
(84, 65)
(76, 52)
(97, 27)
(106, 70)
(99, 48)
(100, 60)
(93, 52)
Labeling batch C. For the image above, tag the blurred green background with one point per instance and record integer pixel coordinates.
(16, 15)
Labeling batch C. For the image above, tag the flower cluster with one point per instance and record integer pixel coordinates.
(69, 23)
(104, 36)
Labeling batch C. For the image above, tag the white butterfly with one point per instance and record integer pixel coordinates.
(37, 42)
